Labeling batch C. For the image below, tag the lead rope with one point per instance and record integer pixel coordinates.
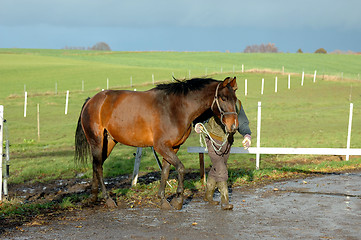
(202, 136)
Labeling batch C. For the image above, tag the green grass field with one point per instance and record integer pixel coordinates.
(313, 115)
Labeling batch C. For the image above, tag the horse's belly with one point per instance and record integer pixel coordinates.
(132, 133)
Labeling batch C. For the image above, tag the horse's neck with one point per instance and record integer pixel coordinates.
(203, 100)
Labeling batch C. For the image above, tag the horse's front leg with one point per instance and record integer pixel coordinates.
(170, 157)
(164, 204)
(177, 202)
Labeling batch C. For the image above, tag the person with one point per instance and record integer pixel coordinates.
(219, 145)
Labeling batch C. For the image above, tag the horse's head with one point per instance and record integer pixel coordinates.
(224, 104)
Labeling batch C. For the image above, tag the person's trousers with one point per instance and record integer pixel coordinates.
(219, 160)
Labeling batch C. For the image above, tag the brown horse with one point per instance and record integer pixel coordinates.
(160, 117)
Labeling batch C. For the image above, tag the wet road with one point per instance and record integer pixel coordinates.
(326, 207)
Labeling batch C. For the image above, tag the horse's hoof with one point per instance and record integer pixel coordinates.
(177, 203)
(110, 203)
(165, 205)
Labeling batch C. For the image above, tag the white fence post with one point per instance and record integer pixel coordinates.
(245, 87)
(314, 76)
(275, 84)
(258, 155)
(66, 102)
(107, 83)
(38, 119)
(349, 131)
(7, 160)
(262, 87)
(289, 81)
(25, 103)
(1, 149)
(153, 79)
(303, 77)
(137, 160)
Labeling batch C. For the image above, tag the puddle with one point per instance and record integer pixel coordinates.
(33, 191)
(341, 185)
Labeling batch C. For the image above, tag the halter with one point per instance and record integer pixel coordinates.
(215, 100)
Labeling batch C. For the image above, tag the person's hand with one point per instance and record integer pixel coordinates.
(198, 128)
(247, 141)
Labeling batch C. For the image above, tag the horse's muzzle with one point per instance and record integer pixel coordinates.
(232, 129)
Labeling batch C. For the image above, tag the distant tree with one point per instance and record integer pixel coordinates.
(321, 50)
(101, 46)
(262, 48)
(73, 48)
(299, 50)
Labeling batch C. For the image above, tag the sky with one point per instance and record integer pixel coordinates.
(183, 25)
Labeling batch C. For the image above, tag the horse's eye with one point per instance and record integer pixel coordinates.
(224, 98)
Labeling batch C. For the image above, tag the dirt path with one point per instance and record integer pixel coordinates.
(326, 207)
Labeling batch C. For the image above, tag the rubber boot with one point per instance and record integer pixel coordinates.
(223, 189)
(210, 187)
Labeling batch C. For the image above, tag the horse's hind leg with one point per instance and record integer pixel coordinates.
(98, 179)
(95, 181)
(100, 153)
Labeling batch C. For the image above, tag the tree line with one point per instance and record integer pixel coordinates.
(262, 48)
(271, 48)
(100, 46)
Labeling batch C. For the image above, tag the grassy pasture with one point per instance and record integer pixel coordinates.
(41, 69)
(314, 115)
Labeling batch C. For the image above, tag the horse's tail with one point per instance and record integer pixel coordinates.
(82, 147)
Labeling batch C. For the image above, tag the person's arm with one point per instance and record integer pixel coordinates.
(243, 128)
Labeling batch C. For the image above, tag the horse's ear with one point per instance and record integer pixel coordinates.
(233, 84)
(226, 81)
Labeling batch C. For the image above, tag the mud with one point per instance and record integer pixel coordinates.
(325, 207)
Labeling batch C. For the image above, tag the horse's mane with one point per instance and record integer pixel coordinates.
(185, 86)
